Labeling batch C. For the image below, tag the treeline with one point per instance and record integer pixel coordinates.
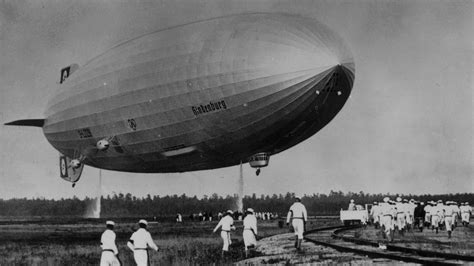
(126, 205)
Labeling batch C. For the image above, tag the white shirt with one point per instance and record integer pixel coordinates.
(250, 222)
(456, 209)
(439, 208)
(468, 208)
(448, 210)
(428, 209)
(400, 208)
(375, 211)
(387, 209)
(107, 241)
(465, 209)
(141, 239)
(433, 210)
(299, 212)
(411, 209)
(227, 223)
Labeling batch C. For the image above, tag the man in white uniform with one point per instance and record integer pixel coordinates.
(250, 231)
(449, 217)
(466, 212)
(457, 214)
(299, 217)
(387, 213)
(400, 216)
(226, 224)
(109, 249)
(436, 215)
(427, 209)
(139, 243)
(375, 214)
(410, 213)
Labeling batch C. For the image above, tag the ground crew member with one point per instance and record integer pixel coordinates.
(250, 231)
(400, 216)
(427, 209)
(457, 214)
(420, 215)
(449, 217)
(410, 213)
(352, 206)
(139, 243)
(109, 249)
(440, 207)
(466, 211)
(299, 217)
(436, 215)
(226, 224)
(387, 212)
(375, 214)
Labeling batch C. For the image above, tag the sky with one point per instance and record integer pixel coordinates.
(407, 127)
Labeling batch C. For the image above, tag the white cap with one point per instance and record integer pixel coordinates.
(230, 212)
(352, 200)
(110, 223)
(250, 210)
(143, 221)
(399, 199)
(386, 199)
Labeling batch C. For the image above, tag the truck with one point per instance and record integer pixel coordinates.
(359, 216)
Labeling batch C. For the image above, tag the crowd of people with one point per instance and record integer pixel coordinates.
(297, 215)
(237, 215)
(400, 215)
(403, 215)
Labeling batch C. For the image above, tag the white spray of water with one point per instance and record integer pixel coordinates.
(240, 195)
(93, 210)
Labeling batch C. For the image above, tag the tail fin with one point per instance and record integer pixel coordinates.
(26, 122)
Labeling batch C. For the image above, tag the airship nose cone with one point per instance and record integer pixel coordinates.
(276, 44)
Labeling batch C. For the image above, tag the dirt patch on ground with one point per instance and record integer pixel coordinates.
(280, 249)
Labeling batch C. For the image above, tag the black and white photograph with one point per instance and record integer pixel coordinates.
(236, 132)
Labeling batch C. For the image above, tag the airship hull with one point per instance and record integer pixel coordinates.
(203, 95)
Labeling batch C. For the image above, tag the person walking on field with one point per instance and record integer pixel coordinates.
(226, 224)
(109, 249)
(250, 231)
(139, 243)
(466, 212)
(449, 216)
(299, 217)
(419, 215)
(387, 213)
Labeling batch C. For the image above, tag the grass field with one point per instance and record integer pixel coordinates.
(70, 242)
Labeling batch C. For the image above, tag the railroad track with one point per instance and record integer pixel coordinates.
(334, 237)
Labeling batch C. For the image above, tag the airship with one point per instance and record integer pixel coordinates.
(203, 95)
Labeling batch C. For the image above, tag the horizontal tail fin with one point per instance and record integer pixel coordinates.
(26, 122)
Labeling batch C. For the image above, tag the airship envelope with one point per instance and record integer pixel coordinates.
(202, 95)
